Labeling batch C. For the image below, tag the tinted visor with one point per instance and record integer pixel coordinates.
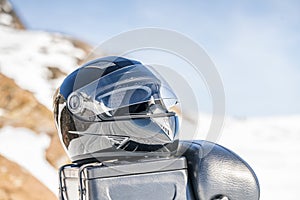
(130, 92)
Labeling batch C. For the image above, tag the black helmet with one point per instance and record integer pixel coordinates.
(113, 108)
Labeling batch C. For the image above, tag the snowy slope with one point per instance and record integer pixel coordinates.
(271, 146)
(27, 149)
(26, 55)
(36, 61)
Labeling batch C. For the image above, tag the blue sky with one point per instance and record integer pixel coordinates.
(254, 44)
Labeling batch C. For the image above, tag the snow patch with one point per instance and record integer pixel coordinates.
(27, 149)
(6, 19)
(25, 56)
(271, 146)
(2, 112)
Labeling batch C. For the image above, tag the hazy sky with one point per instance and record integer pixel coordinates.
(254, 44)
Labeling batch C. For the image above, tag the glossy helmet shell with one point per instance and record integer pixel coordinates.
(116, 108)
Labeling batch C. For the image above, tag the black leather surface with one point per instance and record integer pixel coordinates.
(216, 172)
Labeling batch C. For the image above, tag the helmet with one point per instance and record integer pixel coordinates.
(114, 108)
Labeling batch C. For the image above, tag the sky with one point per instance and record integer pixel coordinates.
(255, 44)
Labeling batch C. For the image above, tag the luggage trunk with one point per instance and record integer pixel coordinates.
(145, 179)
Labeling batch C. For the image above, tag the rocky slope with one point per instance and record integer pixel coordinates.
(19, 108)
(17, 184)
(32, 64)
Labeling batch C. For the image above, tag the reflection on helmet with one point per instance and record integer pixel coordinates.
(112, 108)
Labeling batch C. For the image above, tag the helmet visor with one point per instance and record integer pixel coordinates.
(129, 92)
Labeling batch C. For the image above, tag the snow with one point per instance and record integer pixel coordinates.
(5, 19)
(2, 112)
(25, 56)
(271, 146)
(27, 149)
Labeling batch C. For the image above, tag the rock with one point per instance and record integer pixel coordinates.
(8, 16)
(17, 184)
(21, 109)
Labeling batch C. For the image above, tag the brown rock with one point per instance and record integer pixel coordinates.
(21, 109)
(55, 153)
(18, 184)
(12, 20)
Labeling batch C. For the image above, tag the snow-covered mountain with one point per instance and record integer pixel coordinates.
(33, 56)
(33, 63)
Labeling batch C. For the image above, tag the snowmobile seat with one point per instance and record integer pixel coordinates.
(217, 173)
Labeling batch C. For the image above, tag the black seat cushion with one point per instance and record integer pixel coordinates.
(217, 173)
